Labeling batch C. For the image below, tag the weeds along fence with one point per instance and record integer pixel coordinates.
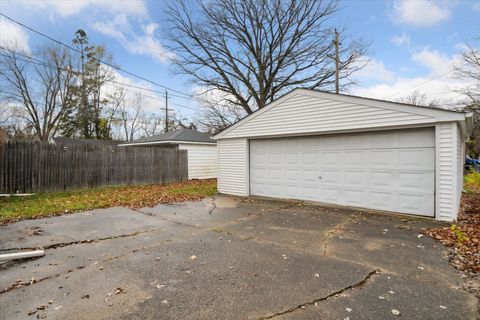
(40, 167)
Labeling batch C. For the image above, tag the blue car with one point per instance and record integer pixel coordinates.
(471, 163)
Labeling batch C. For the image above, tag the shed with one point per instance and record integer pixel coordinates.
(201, 150)
(350, 151)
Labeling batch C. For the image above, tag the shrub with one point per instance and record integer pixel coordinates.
(472, 181)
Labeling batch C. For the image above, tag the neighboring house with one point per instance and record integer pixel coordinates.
(201, 150)
(345, 150)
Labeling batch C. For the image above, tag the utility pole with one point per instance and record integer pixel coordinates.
(337, 62)
(166, 110)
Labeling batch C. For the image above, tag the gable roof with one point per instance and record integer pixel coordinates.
(311, 105)
(172, 137)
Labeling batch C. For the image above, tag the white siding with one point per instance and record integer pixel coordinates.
(233, 166)
(460, 164)
(202, 160)
(303, 114)
(447, 174)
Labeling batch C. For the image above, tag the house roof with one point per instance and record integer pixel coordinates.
(176, 136)
(455, 115)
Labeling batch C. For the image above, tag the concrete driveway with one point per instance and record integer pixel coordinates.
(227, 258)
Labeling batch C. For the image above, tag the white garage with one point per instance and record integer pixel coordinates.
(350, 151)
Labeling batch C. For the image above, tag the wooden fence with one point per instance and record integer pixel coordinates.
(38, 166)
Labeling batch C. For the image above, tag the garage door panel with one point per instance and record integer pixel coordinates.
(356, 178)
(419, 180)
(382, 200)
(419, 159)
(332, 195)
(381, 179)
(332, 159)
(356, 158)
(411, 202)
(380, 159)
(355, 197)
(391, 171)
(332, 177)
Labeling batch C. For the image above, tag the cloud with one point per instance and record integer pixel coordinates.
(442, 88)
(439, 82)
(374, 71)
(420, 13)
(68, 8)
(151, 101)
(437, 62)
(13, 36)
(143, 43)
(402, 40)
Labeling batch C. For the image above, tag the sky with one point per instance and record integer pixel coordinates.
(414, 44)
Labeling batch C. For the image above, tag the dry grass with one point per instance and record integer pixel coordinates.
(57, 203)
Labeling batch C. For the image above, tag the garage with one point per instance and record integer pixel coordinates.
(385, 170)
(348, 151)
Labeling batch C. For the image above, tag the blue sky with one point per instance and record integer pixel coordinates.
(414, 44)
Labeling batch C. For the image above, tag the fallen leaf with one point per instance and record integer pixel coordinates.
(395, 312)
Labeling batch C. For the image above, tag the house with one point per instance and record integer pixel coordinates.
(201, 150)
(350, 151)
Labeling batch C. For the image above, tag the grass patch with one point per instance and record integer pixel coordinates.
(472, 182)
(57, 203)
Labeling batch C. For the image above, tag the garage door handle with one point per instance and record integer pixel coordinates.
(320, 177)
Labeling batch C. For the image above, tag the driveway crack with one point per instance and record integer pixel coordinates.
(333, 232)
(310, 303)
(65, 244)
(214, 206)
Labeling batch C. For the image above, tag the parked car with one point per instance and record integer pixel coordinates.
(471, 163)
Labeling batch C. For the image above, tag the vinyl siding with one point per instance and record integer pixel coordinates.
(303, 114)
(202, 160)
(233, 166)
(447, 171)
(460, 165)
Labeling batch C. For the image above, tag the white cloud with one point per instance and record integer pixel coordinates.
(66, 8)
(13, 36)
(437, 62)
(421, 13)
(442, 88)
(151, 101)
(402, 40)
(374, 71)
(144, 43)
(476, 6)
(438, 83)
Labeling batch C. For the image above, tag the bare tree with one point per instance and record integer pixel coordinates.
(151, 125)
(216, 116)
(43, 90)
(129, 115)
(469, 70)
(256, 50)
(418, 98)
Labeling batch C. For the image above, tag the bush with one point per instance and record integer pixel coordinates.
(472, 181)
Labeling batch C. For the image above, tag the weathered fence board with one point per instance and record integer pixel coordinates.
(38, 166)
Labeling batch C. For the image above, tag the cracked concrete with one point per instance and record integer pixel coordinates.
(228, 258)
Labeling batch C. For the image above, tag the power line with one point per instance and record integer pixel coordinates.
(44, 64)
(421, 83)
(96, 59)
(41, 63)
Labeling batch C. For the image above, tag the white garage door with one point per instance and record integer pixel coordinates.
(385, 170)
